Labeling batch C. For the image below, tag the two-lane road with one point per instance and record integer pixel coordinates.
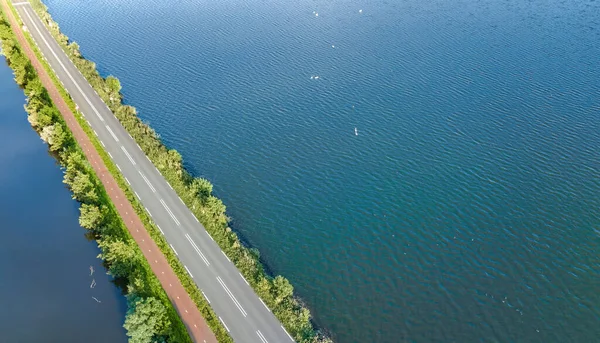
(242, 312)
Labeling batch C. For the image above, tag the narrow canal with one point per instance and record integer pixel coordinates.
(48, 292)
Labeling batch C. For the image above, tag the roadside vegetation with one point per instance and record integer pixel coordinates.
(276, 292)
(150, 316)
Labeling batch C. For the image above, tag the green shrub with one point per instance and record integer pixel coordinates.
(146, 320)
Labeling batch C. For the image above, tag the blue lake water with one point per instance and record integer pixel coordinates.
(45, 259)
(467, 207)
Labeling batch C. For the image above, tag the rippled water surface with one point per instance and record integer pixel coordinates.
(467, 207)
(45, 293)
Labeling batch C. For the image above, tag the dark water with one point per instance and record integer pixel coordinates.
(45, 293)
(467, 207)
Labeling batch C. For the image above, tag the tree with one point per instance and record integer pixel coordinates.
(146, 319)
(263, 288)
(122, 257)
(22, 68)
(74, 162)
(125, 112)
(113, 87)
(83, 188)
(215, 207)
(46, 133)
(138, 284)
(172, 161)
(37, 98)
(8, 44)
(282, 289)
(201, 188)
(58, 138)
(35, 89)
(40, 116)
(90, 217)
(48, 114)
(74, 50)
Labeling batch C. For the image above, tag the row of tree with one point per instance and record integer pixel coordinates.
(150, 316)
(277, 292)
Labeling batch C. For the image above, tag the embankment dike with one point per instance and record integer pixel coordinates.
(196, 193)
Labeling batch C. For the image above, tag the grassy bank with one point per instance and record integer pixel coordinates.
(150, 315)
(276, 292)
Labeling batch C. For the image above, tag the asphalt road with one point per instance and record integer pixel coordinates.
(240, 309)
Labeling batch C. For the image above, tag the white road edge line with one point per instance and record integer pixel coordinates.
(246, 281)
(63, 66)
(197, 249)
(128, 156)
(126, 179)
(159, 229)
(175, 251)
(235, 301)
(118, 167)
(101, 142)
(287, 333)
(186, 268)
(170, 213)
(265, 305)
(209, 235)
(222, 322)
(137, 195)
(109, 154)
(205, 297)
(225, 256)
(148, 212)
